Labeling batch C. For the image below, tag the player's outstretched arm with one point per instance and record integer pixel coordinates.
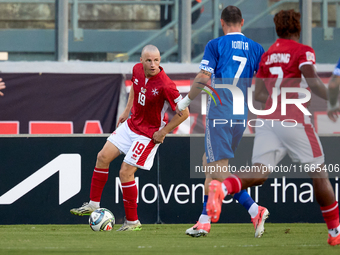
(2, 86)
(158, 137)
(313, 80)
(123, 117)
(202, 78)
(333, 103)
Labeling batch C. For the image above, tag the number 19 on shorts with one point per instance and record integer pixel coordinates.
(138, 149)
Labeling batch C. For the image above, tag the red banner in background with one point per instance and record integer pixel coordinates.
(54, 103)
(57, 103)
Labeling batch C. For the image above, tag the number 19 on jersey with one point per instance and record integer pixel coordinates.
(141, 98)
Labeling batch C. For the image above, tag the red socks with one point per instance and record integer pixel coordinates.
(233, 184)
(99, 179)
(130, 194)
(330, 214)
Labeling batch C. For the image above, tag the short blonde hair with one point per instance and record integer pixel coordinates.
(149, 48)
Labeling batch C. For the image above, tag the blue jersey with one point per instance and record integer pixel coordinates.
(337, 69)
(232, 59)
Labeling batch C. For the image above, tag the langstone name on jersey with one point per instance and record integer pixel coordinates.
(278, 58)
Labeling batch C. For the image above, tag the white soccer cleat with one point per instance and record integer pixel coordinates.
(199, 229)
(130, 227)
(259, 221)
(85, 209)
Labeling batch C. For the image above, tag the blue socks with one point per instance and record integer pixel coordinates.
(205, 200)
(244, 199)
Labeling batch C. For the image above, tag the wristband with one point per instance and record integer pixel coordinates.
(184, 103)
(332, 107)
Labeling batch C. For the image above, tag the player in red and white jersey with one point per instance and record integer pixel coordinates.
(151, 101)
(283, 65)
(286, 58)
(139, 136)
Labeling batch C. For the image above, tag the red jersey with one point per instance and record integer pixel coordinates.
(283, 61)
(151, 99)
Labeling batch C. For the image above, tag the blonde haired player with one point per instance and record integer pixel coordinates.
(139, 135)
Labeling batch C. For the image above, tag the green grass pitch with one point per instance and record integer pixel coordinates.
(165, 239)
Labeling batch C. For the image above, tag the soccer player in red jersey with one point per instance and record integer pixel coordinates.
(139, 135)
(286, 64)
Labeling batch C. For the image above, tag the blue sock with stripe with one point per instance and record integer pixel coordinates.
(244, 199)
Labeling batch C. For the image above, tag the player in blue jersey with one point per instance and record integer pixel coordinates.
(231, 59)
(333, 90)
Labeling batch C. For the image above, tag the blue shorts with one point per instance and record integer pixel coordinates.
(222, 140)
